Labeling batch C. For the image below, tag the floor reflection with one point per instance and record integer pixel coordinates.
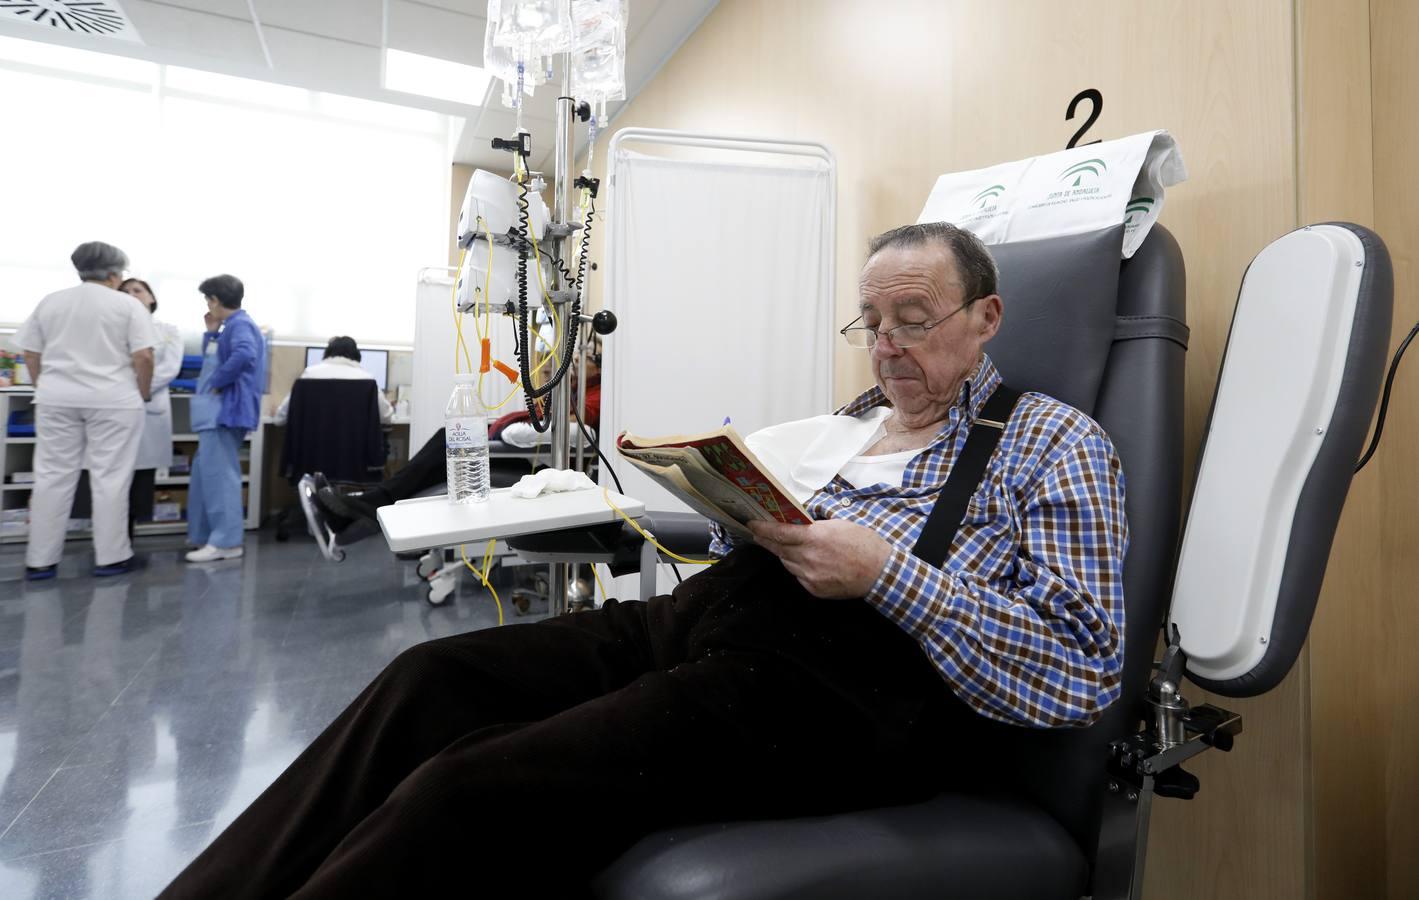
(138, 716)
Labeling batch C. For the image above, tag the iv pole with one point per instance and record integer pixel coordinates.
(566, 244)
(562, 232)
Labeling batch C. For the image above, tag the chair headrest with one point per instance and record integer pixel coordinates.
(356, 389)
(1061, 299)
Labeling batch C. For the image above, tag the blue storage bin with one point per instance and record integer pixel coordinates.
(21, 423)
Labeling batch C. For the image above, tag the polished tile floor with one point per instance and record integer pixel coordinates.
(140, 714)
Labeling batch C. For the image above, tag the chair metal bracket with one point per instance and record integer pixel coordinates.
(1148, 763)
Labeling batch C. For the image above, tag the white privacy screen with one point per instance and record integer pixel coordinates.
(721, 277)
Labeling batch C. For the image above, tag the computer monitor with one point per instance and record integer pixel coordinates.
(375, 362)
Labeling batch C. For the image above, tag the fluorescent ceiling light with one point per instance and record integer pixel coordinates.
(413, 73)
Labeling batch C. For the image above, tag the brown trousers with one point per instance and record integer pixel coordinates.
(738, 696)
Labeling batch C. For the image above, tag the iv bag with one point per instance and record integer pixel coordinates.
(530, 32)
(533, 28)
(595, 20)
(501, 60)
(599, 73)
(598, 58)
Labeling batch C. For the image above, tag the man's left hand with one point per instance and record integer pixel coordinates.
(830, 558)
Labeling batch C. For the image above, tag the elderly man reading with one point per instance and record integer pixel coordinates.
(822, 668)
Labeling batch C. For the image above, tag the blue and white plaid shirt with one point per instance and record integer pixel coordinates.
(1025, 622)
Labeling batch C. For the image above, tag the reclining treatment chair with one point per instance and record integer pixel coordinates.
(334, 429)
(1063, 813)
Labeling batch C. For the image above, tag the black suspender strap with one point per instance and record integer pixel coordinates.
(945, 519)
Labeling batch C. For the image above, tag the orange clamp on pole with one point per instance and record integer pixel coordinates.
(484, 366)
(509, 373)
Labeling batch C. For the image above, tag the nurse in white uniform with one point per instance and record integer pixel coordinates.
(89, 350)
(155, 446)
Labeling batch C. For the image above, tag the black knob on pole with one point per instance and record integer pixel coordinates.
(603, 322)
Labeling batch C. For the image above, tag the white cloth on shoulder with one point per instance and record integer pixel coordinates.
(805, 454)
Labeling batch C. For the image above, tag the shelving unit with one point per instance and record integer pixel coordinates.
(17, 455)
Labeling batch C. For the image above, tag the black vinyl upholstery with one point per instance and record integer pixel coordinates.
(898, 852)
(1061, 298)
(1110, 338)
(1323, 496)
(334, 429)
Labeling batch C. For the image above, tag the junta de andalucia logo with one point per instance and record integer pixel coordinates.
(988, 198)
(1137, 211)
(1081, 170)
(1081, 183)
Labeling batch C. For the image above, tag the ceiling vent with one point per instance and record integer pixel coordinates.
(99, 18)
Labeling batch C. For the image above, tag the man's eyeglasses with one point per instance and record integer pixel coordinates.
(902, 337)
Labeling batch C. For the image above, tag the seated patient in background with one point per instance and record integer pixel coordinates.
(426, 468)
(822, 668)
(341, 360)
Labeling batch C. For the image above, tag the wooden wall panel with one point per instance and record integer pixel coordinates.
(1347, 719)
(903, 91)
(1389, 650)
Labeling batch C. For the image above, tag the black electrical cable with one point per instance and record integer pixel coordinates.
(568, 350)
(1384, 398)
(585, 247)
(541, 423)
(524, 357)
(531, 394)
(592, 441)
(612, 472)
(583, 254)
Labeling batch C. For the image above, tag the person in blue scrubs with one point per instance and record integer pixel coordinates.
(227, 406)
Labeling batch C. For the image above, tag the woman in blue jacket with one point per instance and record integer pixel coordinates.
(227, 405)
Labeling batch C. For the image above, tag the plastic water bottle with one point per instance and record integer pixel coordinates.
(466, 436)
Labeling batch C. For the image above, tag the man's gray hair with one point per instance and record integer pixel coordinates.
(979, 275)
(96, 261)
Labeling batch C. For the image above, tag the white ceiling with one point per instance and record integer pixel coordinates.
(337, 46)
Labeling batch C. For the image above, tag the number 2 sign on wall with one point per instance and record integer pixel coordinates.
(1093, 96)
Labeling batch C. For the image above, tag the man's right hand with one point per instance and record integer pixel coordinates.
(831, 558)
(211, 321)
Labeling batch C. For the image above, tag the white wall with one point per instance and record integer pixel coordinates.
(324, 206)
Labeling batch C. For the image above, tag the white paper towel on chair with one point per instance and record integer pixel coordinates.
(1074, 191)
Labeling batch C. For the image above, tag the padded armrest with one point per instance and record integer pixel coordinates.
(685, 533)
(953, 846)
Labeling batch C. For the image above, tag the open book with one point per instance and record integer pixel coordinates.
(717, 475)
